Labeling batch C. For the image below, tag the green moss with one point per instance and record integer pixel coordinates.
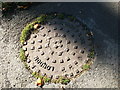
(86, 67)
(46, 79)
(61, 16)
(26, 65)
(91, 54)
(33, 73)
(71, 18)
(64, 80)
(22, 55)
(26, 33)
(42, 19)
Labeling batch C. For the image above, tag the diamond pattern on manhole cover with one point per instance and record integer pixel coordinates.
(59, 48)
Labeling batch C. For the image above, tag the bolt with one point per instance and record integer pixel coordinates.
(54, 61)
(61, 46)
(68, 59)
(28, 60)
(34, 36)
(32, 42)
(71, 74)
(77, 71)
(33, 67)
(49, 23)
(75, 47)
(32, 48)
(60, 53)
(61, 28)
(57, 77)
(55, 28)
(42, 53)
(25, 43)
(24, 48)
(82, 51)
(76, 62)
(44, 35)
(62, 61)
(63, 68)
(75, 41)
(70, 66)
(40, 47)
(68, 42)
(40, 41)
(55, 34)
(49, 30)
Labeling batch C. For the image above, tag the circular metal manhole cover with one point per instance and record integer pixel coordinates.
(59, 48)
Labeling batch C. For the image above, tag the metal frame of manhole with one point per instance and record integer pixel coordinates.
(57, 47)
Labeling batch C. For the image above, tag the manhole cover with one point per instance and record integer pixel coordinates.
(61, 47)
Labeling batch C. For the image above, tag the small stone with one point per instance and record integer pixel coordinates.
(32, 42)
(40, 41)
(40, 47)
(61, 61)
(32, 48)
(54, 61)
(36, 26)
(28, 60)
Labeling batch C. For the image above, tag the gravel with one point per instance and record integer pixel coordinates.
(104, 71)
